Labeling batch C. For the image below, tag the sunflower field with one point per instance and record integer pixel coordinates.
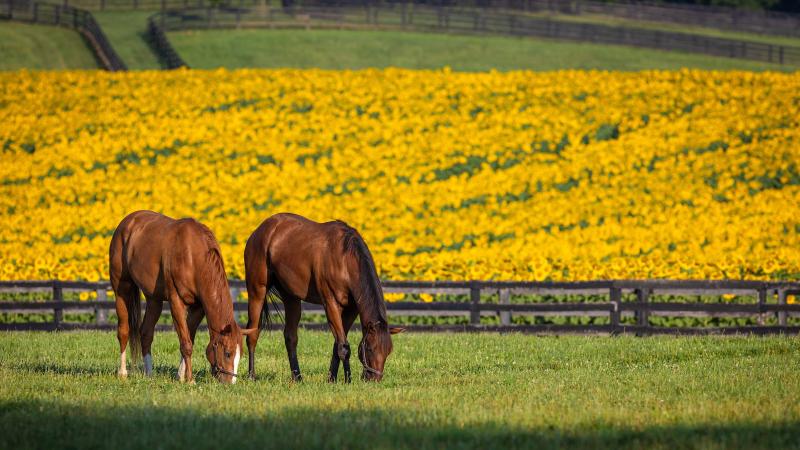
(568, 175)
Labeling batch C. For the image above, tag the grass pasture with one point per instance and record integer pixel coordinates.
(340, 49)
(441, 390)
(25, 46)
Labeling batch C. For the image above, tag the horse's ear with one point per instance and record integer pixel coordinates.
(396, 330)
(249, 331)
(226, 330)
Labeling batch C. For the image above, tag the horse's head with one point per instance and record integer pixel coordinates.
(374, 349)
(224, 351)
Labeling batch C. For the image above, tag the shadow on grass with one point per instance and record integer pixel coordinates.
(35, 424)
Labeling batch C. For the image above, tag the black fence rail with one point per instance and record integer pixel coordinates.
(720, 17)
(158, 41)
(469, 21)
(66, 16)
(628, 305)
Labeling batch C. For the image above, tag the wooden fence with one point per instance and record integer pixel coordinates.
(66, 16)
(756, 21)
(628, 305)
(466, 21)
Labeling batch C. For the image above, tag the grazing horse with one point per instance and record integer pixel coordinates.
(177, 261)
(323, 263)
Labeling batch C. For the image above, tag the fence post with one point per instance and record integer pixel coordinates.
(475, 298)
(615, 296)
(58, 298)
(35, 12)
(780, 54)
(505, 299)
(100, 316)
(642, 314)
(235, 296)
(762, 299)
(782, 303)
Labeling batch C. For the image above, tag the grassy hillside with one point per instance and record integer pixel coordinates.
(358, 49)
(127, 31)
(440, 391)
(42, 47)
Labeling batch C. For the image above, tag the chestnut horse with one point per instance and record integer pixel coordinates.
(178, 261)
(323, 263)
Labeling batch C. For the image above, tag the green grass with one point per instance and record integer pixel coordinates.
(331, 49)
(24, 46)
(680, 28)
(127, 32)
(440, 391)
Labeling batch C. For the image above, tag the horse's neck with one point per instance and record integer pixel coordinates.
(368, 312)
(219, 310)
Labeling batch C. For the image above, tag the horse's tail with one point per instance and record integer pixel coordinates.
(133, 304)
(368, 292)
(271, 294)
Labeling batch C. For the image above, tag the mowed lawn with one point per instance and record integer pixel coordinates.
(24, 46)
(338, 49)
(58, 390)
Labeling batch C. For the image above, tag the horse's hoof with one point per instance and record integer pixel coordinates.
(297, 378)
(251, 377)
(122, 375)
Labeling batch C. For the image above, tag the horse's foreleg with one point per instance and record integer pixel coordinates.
(341, 348)
(256, 295)
(193, 319)
(292, 311)
(348, 317)
(151, 315)
(179, 319)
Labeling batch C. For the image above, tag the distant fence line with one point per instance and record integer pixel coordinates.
(466, 21)
(66, 16)
(720, 17)
(770, 301)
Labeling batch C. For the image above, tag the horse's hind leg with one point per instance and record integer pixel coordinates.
(292, 311)
(256, 295)
(151, 315)
(125, 292)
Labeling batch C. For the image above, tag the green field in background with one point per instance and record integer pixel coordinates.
(25, 46)
(337, 49)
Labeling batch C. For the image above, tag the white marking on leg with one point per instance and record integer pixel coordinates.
(123, 368)
(236, 361)
(148, 365)
(182, 370)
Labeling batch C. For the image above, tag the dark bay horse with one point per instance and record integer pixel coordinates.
(177, 261)
(323, 263)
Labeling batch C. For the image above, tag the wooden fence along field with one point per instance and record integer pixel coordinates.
(455, 20)
(721, 17)
(628, 305)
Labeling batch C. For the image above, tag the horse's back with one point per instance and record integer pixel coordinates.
(147, 246)
(297, 251)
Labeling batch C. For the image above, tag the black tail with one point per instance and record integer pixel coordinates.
(265, 321)
(134, 304)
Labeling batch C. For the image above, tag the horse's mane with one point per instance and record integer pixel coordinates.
(369, 294)
(214, 270)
